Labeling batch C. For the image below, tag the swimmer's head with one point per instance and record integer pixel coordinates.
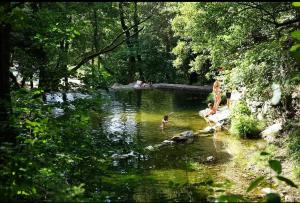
(166, 117)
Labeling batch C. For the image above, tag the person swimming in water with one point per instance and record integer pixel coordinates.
(164, 121)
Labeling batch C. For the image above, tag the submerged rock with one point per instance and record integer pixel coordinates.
(186, 136)
(208, 129)
(167, 142)
(210, 158)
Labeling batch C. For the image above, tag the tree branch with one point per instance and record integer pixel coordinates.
(109, 47)
(102, 51)
(288, 22)
(273, 21)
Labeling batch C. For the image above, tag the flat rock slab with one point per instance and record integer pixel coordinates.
(164, 86)
(221, 115)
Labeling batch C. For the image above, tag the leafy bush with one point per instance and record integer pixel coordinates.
(240, 109)
(243, 123)
(245, 126)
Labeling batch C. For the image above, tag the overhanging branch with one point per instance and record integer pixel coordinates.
(108, 48)
(113, 45)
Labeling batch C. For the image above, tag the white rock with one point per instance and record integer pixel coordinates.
(208, 129)
(276, 94)
(268, 190)
(272, 130)
(260, 116)
(289, 198)
(210, 158)
(168, 142)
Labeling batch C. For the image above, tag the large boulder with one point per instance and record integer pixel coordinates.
(186, 136)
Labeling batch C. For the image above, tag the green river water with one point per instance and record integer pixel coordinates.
(176, 172)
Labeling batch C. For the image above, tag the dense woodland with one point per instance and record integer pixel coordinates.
(48, 44)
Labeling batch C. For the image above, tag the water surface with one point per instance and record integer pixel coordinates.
(134, 117)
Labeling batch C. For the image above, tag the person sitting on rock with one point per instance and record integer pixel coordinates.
(211, 110)
(164, 121)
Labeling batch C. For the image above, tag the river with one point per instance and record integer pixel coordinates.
(131, 120)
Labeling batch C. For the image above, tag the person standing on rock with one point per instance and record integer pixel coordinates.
(217, 94)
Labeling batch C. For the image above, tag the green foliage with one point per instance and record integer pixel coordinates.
(296, 4)
(294, 144)
(243, 123)
(240, 108)
(49, 162)
(240, 38)
(255, 183)
(231, 198)
(275, 165)
(272, 197)
(245, 126)
(295, 49)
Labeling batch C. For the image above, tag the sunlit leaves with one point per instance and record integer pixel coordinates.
(296, 34)
(255, 183)
(275, 165)
(264, 154)
(296, 4)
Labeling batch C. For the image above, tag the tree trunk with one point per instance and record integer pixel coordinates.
(136, 40)
(43, 75)
(6, 134)
(131, 57)
(23, 81)
(65, 66)
(14, 80)
(31, 81)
